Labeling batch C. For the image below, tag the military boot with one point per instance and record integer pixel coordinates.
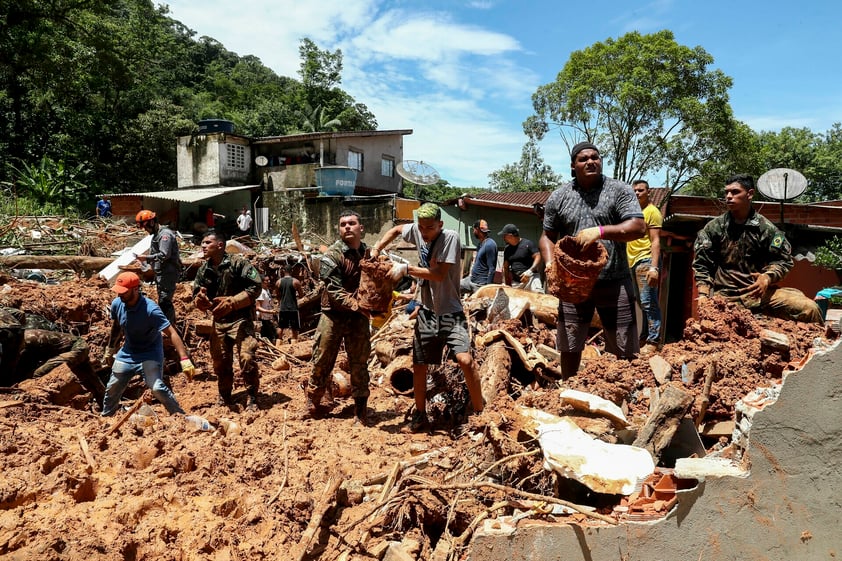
(251, 400)
(361, 410)
(312, 406)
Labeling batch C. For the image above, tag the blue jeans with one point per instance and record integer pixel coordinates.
(153, 374)
(648, 301)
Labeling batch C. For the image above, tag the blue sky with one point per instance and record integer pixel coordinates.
(461, 73)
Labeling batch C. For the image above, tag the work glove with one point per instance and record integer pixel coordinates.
(224, 305)
(188, 368)
(202, 301)
(652, 276)
(588, 235)
(526, 276)
(108, 357)
(398, 271)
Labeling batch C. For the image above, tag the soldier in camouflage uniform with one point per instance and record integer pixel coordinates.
(341, 319)
(740, 255)
(11, 343)
(41, 348)
(228, 285)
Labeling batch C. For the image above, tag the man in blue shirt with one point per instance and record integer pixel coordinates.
(103, 207)
(485, 264)
(141, 322)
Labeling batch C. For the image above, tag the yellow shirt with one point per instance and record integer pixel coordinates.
(641, 248)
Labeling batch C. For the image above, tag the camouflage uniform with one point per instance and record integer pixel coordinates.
(341, 320)
(234, 275)
(11, 343)
(59, 348)
(728, 253)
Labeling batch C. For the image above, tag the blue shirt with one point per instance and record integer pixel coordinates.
(485, 264)
(103, 208)
(142, 325)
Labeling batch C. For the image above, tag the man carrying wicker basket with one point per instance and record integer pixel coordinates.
(594, 209)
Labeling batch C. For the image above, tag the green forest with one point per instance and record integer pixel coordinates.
(94, 92)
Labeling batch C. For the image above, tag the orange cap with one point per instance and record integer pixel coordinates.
(125, 282)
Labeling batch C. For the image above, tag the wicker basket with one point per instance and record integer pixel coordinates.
(575, 269)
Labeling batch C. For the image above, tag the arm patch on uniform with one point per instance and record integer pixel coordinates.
(252, 274)
(778, 241)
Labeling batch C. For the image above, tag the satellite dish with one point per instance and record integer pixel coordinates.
(261, 161)
(782, 184)
(418, 172)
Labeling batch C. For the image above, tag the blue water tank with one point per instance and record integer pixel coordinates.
(216, 125)
(336, 180)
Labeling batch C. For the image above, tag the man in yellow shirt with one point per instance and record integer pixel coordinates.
(644, 256)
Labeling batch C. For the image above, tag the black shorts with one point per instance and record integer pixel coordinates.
(289, 320)
(433, 332)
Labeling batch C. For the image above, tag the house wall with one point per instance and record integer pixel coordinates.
(374, 149)
(206, 160)
(787, 508)
(317, 218)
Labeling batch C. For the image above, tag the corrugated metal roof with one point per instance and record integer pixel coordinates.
(303, 137)
(528, 199)
(187, 195)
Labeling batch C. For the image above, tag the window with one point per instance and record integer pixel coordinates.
(387, 167)
(236, 156)
(355, 159)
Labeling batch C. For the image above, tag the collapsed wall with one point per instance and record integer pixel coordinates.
(788, 507)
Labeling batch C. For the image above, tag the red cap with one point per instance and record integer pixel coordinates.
(125, 282)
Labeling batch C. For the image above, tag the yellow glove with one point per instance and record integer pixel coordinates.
(108, 357)
(187, 367)
(589, 235)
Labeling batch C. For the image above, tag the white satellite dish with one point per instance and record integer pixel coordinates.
(418, 172)
(782, 184)
(261, 160)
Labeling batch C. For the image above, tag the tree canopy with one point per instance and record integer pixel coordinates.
(105, 86)
(649, 103)
(531, 173)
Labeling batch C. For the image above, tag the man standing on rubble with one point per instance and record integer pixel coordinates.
(103, 207)
(142, 324)
(485, 263)
(165, 260)
(290, 290)
(228, 286)
(740, 255)
(342, 319)
(521, 260)
(595, 209)
(644, 256)
(441, 320)
(244, 221)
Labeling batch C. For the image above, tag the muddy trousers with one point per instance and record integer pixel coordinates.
(791, 304)
(63, 348)
(224, 340)
(153, 375)
(166, 289)
(333, 329)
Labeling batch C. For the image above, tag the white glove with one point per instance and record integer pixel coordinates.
(527, 274)
(398, 271)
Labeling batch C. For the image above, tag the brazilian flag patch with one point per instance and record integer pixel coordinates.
(253, 274)
(778, 241)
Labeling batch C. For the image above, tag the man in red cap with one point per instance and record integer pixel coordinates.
(141, 323)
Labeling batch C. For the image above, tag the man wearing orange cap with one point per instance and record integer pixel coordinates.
(141, 323)
(164, 257)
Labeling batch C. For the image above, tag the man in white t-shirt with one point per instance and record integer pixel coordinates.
(244, 221)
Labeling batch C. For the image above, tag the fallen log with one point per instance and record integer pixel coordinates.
(325, 501)
(543, 306)
(494, 371)
(662, 424)
(77, 263)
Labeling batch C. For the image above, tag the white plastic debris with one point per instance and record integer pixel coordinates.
(617, 469)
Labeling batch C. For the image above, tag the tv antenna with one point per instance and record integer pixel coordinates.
(418, 172)
(782, 184)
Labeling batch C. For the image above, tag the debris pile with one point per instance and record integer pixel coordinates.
(261, 483)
